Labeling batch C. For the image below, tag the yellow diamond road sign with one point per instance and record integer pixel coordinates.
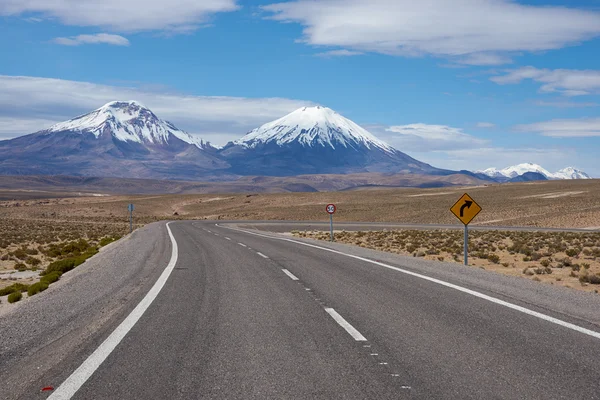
(466, 209)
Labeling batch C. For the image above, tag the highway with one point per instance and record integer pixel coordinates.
(219, 312)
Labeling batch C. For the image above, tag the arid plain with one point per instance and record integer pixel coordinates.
(32, 221)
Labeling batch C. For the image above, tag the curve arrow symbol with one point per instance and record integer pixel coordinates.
(467, 204)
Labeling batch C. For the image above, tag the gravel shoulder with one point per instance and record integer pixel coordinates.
(67, 321)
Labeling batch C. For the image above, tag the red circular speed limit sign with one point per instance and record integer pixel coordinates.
(330, 208)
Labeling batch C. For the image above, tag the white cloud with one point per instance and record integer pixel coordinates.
(339, 53)
(564, 128)
(485, 125)
(485, 59)
(28, 104)
(105, 38)
(123, 15)
(426, 138)
(482, 32)
(568, 82)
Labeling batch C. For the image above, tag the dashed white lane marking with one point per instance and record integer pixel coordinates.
(288, 273)
(346, 325)
(74, 382)
(242, 244)
(261, 254)
(475, 293)
(227, 238)
(208, 231)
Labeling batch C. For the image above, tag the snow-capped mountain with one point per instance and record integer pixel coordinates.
(314, 140)
(127, 121)
(119, 139)
(314, 126)
(520, 169)
(571, 173)
(126, 139)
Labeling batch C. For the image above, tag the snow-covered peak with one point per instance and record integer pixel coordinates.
(571, 173)
(520, 169)
(314, 126)
(517, 170)
(126, 121)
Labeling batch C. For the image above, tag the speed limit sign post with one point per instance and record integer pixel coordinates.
(330, 210)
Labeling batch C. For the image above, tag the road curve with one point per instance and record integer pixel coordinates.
(248, 315)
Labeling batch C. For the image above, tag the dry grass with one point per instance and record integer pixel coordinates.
(558, 258)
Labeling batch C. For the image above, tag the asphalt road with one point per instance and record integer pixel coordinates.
(258, 316)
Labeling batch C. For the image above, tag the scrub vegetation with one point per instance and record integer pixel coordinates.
(560, 258)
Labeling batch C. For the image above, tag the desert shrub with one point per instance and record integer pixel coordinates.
(495, 258)
(572, 252)
(15, 287)
(594, 279)
(21, 254)
(536, 257)
(37, 288)
(20, 267)
(505, 264)
(411, 248)
(420, 254)
(440, 258)
(528, 272)
(585, 265)
(567, 262)
(51, 277)
(33, 261)
(108, 239)
(14, 297)
(575, 267)
(526, 258)
(67, 264)
(545, 263)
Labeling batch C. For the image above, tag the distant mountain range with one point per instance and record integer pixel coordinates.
(510, 173)
(124, 139)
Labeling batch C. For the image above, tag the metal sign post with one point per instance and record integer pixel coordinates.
(465, 209)
(130, 208)
(466, 249)
(330, 210)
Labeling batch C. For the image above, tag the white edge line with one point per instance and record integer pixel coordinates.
(288, 273)
(242, 244)
(261, 254)
(74, 382)
(480, 295)
(227, 238)
(346, 325)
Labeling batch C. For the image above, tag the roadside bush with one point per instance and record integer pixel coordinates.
(107, 240)
(545, 263)
(37, 288)
(67, 264)
(51, 277)
(15, 287)
(14, 297)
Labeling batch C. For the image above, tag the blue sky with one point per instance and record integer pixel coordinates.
(467, 84)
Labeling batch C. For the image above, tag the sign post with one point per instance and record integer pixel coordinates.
(130, 208)
(330, 210)
(465, 209)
